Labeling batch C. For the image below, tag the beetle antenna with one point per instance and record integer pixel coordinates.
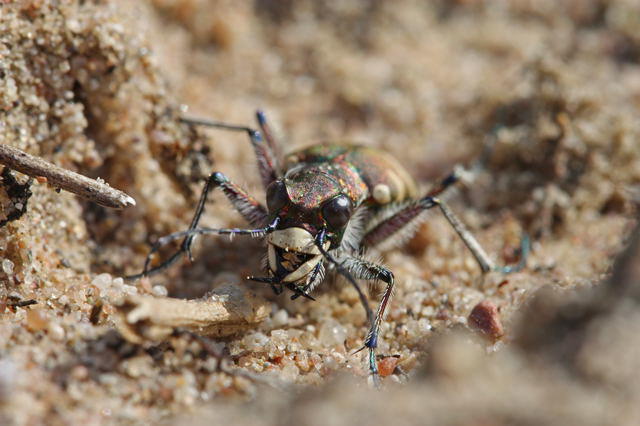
(267, 132)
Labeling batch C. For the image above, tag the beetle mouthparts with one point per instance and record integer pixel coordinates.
(292, 254)
(294, 239)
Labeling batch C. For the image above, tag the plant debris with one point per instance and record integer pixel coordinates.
(225, 312)
(91, 189)
(18, 195)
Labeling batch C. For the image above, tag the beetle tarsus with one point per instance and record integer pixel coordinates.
(525, 248)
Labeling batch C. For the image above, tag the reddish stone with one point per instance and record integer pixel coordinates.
(387, 365)
(485, 317)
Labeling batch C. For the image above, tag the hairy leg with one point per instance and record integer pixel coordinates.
(266, 155)
(342, 268)
(366, 270)
(406, 214)
(268, 134)
(246, 205)
(190, 233)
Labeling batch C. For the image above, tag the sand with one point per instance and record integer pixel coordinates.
(543, 96)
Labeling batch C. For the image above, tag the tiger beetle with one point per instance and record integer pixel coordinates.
(325, 205)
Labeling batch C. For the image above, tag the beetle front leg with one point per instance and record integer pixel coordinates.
(372, 337)
(252, 211)
(192, 232)
(246, 205)
(365, 270)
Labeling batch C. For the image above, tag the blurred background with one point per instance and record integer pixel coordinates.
(545, 93)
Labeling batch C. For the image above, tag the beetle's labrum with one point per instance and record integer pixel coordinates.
(326, 204)
(292, 255)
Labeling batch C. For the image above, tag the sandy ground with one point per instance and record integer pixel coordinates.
(98, 88)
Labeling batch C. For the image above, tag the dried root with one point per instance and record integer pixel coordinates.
(226, 311)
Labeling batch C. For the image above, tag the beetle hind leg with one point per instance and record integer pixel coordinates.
(407, 215)
(483, 260)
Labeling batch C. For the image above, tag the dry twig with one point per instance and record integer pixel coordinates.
(90, 189)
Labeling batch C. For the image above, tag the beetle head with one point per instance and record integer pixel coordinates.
(304, 209)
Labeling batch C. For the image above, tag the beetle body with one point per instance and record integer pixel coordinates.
(314, 180)
(307, 199)
(378, 178)
(325, 204)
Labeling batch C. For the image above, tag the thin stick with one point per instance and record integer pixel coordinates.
(85, 187)
(22, 303)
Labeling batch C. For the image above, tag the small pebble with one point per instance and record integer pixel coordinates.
(302, 361)
(79, 372)
(387, 365)
(102, 281)
(255, 341)
(56, 331)
(289, 371)
(485, 317)
(280, 318)
(36, 320)
(7, 266)
(332, 333)
(129, 289)
(160, 290)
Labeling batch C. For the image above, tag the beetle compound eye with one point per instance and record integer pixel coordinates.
(337, 211)
(277, 196)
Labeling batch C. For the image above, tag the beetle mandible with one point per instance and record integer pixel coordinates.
(325, 204)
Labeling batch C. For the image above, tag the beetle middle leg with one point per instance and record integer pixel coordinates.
(266, 153)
